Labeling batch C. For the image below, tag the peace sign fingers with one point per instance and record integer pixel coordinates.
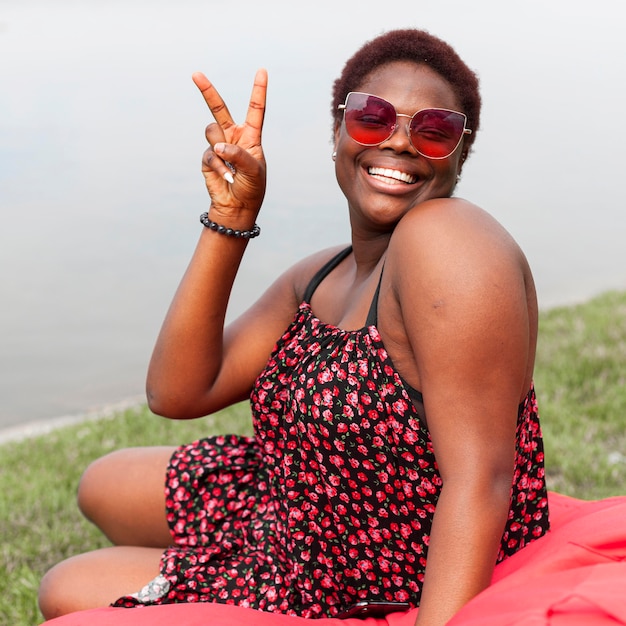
(235, 155)
(256, 108)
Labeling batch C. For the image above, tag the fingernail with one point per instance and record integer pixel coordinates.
(229, 177)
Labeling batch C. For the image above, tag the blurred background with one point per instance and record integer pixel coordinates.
(102, 131)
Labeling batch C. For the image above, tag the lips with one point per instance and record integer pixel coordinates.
(392, 176)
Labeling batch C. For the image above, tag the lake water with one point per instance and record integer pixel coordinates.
(101, 133)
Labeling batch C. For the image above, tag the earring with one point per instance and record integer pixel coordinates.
(334, 155)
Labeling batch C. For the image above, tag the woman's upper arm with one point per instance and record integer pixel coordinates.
(460, 284)
(249, 339)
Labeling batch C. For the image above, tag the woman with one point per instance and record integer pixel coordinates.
(397, 452)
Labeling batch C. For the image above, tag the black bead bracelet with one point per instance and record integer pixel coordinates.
(230, 232)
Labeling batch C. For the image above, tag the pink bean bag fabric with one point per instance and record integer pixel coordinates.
(575, 576)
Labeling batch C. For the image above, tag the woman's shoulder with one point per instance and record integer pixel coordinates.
(450, 244)
(302, 272)
(450, 217)
(453, 230)
(313, 262)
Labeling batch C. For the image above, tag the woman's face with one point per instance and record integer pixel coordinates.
(383, 198)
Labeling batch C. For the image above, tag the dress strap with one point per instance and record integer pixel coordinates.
(372, 315)
(372, 320)
(324, 271)
(327, 268)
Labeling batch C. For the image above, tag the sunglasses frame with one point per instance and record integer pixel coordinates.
(344, 107)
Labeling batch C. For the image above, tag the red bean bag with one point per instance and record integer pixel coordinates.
(574, 575)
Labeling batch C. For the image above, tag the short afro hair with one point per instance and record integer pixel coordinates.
(420, 47)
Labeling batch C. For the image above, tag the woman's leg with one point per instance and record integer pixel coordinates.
(96, 579)
(123, 494)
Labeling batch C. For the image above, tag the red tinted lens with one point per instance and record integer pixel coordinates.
(436, 133)
(369, 120)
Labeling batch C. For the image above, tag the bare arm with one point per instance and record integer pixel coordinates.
(196, 367)
(464, 304)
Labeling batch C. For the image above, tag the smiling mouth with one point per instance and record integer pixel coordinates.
(391, 176)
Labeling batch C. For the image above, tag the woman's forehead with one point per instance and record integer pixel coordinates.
(411, 84)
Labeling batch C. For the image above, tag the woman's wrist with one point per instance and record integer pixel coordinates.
(235, 218)
(230, 229)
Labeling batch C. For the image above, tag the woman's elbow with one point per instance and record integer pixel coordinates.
(169, 406)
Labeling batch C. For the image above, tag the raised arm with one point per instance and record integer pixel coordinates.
(464, 293)
(196, 367)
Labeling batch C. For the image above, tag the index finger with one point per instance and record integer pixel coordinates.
(256, 108)
(213, 99)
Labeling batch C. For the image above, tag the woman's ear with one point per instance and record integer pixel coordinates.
(336, 139)
(464, 155)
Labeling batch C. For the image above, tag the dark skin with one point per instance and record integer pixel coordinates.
(457, 314)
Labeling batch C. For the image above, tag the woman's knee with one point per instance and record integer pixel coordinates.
(96, 487)
(95, 579)
(57, 591)
(123, 493)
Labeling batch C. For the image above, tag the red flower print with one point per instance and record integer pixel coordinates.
(332, 501)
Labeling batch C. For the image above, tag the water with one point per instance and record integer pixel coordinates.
(101, 133)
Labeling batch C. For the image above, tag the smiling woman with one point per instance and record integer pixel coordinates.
(365, 156)
(104, 268)
(397, 454)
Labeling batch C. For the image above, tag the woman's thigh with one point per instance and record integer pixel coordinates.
(123, 493)
(96, 579)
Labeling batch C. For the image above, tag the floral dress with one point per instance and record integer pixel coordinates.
(332, 501)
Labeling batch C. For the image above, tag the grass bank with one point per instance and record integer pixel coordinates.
(581, 385)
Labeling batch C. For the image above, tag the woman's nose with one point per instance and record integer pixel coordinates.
(400, 139)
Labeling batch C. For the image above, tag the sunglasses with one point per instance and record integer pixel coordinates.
(434, 133)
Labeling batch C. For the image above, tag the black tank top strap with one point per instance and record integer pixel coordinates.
(372, 315)
(324, 271)
(372, 320)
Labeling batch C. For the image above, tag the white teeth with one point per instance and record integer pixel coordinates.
(394, 174)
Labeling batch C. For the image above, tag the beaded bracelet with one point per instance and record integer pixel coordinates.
(230, 232)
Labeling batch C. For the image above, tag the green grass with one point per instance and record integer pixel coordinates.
(581, 385)
(39, 522)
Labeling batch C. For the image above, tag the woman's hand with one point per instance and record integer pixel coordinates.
(234, 165)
